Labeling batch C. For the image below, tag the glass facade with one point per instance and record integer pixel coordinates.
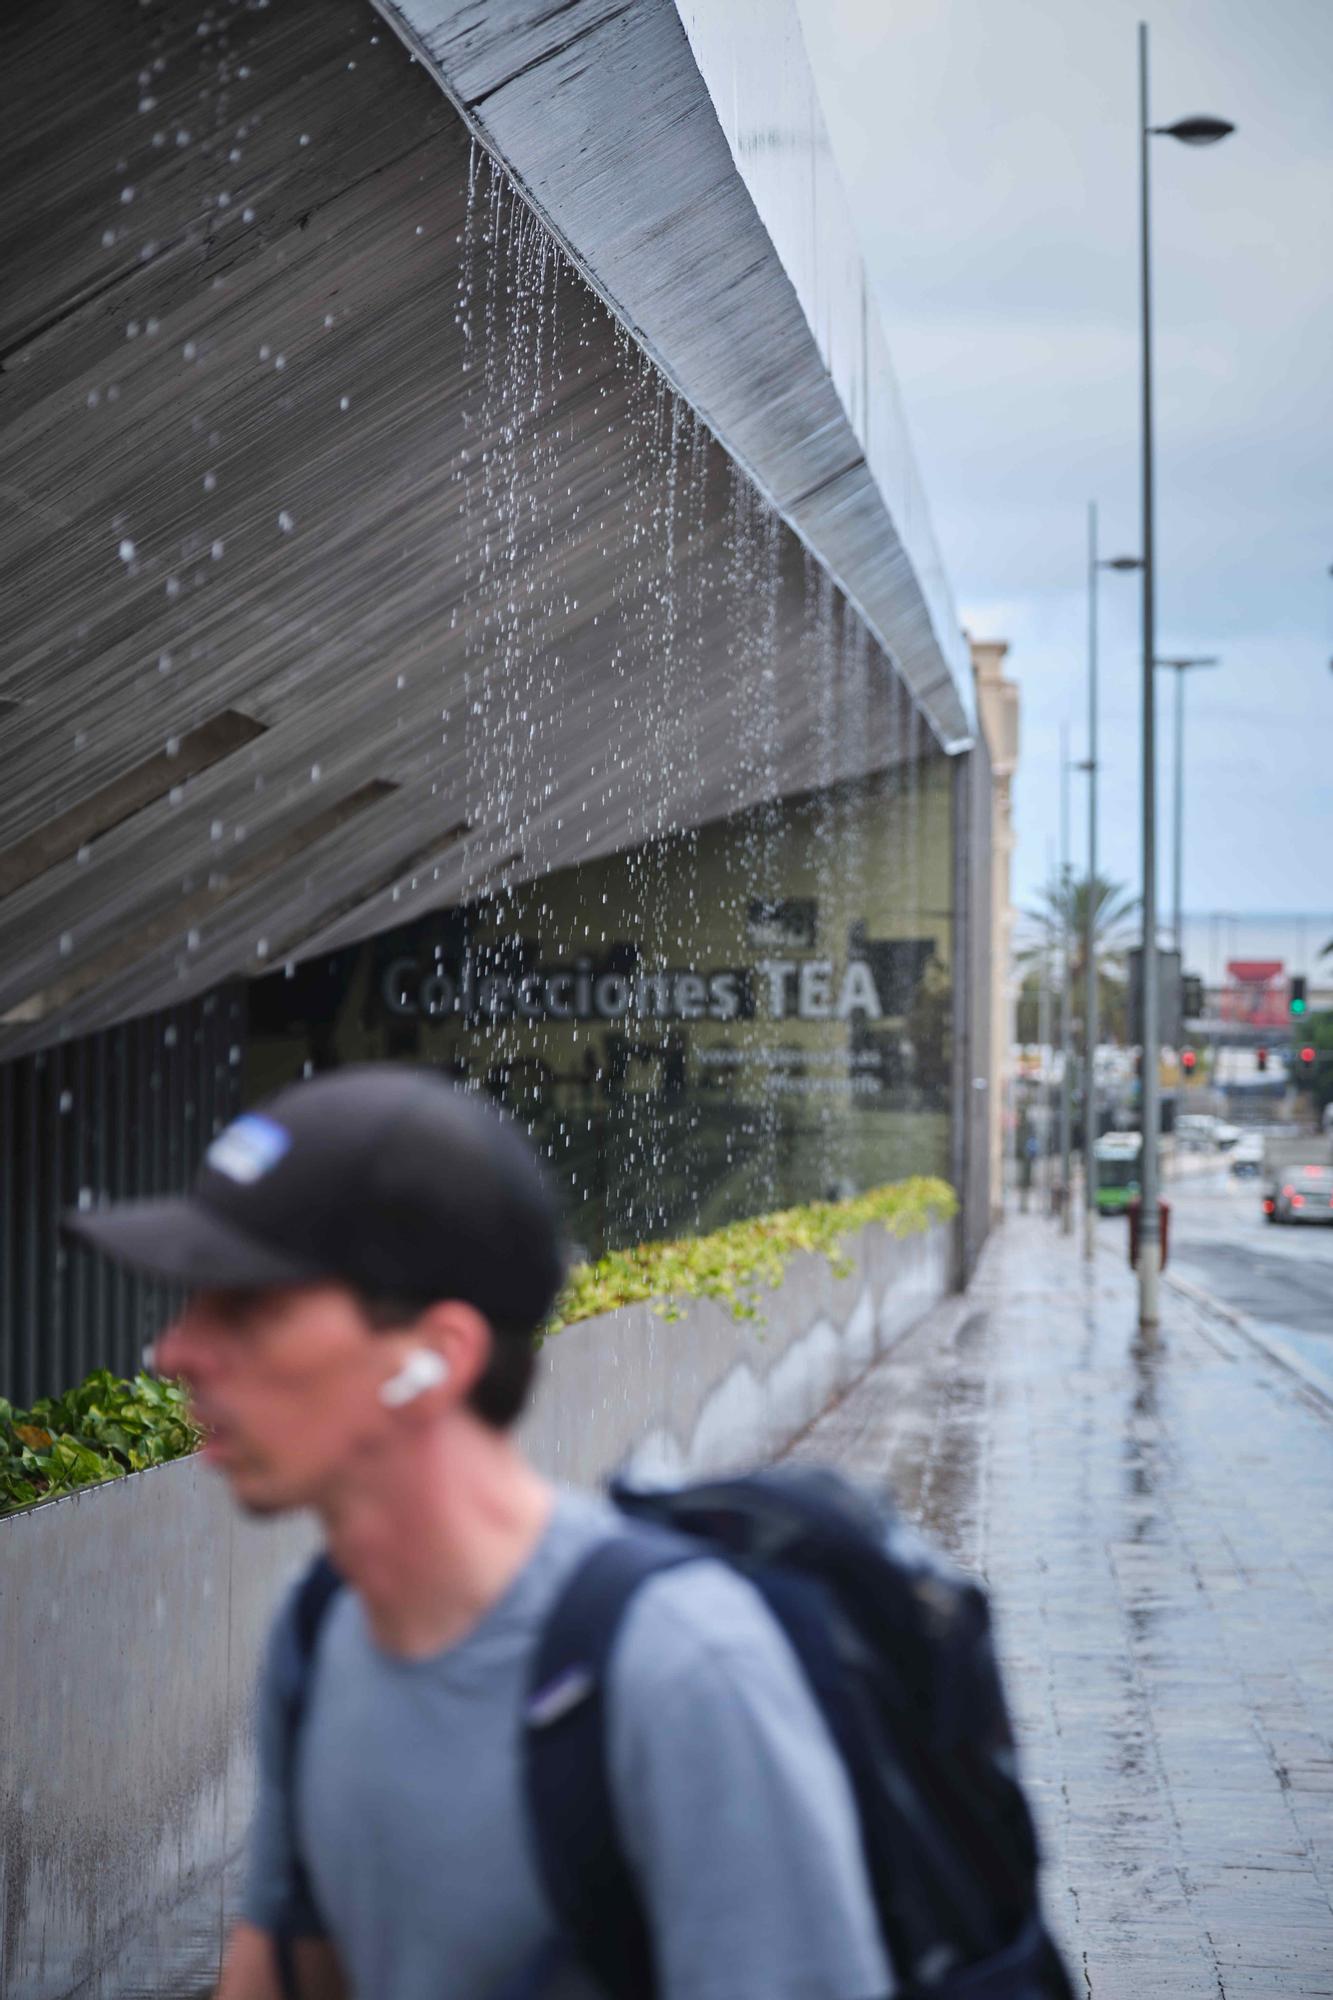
(717, 1023)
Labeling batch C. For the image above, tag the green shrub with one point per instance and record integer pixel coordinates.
(739, 1263)
(107, 1427)
(103, 1429)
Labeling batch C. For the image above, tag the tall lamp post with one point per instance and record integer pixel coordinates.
(1066, 987)
(1181, 667)
(1090, 1020)
(1198, 131)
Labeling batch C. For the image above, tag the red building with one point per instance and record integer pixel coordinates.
(1256, 992)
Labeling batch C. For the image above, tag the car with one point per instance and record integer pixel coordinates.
(1247, 1157)
(1298, 1178)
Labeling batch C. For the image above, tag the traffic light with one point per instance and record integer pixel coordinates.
(1188, 1059)
(1191, 996)
(1261, 1058)
(1296, 1004)
(1307, 1058)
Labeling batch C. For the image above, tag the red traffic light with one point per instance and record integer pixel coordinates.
(1307, 1057)
(1187, 1060)
(1261, 1056)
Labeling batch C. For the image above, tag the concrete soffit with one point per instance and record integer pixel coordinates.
(728, 254)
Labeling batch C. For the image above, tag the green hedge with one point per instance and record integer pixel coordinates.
(739, 1263)
(107, 1427)
(101, 1430)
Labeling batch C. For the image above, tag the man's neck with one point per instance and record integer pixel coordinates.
(436, 1537)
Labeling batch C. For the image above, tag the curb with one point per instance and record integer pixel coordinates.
(1276, 1350)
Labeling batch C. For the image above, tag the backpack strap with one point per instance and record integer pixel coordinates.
(302, 1622)
(570, 1801)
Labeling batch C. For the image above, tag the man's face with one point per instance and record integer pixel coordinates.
(285, 1384)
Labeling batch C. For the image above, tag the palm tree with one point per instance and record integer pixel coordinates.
(1061, 913)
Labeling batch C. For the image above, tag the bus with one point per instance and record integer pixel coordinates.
(1117, 1155)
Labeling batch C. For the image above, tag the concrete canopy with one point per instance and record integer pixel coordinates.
(357, 562)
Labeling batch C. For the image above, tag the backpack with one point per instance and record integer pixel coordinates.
(895, 1645)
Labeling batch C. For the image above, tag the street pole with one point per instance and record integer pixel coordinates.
(1178, 842)
(1092, 1024)
(1066, 994)
(1044, 1042)
(1181, 667)
(1195, 131)
(1150, 1247)
(1090, 1021)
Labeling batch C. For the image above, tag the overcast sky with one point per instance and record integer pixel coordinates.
(989, 152)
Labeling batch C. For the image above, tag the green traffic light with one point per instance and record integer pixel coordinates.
(1298, 1006)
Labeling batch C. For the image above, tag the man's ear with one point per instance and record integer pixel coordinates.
(462, 1337)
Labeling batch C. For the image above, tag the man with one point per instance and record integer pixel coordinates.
(369, 1257)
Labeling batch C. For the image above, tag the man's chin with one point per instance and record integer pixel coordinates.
(256, 1496)
(262, 1507)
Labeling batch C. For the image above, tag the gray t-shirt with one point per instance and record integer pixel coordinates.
(735, 1809)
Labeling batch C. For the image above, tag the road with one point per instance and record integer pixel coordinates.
(1280, 1278)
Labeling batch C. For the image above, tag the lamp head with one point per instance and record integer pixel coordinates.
(1197, 131)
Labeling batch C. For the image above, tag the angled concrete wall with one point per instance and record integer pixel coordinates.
(363, 562)
(131, 1618)
(679, 153)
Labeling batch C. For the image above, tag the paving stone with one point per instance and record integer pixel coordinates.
(1154, 1518)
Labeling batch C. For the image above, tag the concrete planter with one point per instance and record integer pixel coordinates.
(132, 1617)
(680, 1398)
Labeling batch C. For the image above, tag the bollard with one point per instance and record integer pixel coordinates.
(1133, 1211)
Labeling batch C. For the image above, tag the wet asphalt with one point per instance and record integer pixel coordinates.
(1155, 1521)
(1279, 1277)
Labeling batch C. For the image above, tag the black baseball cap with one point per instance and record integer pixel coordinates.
(382, 1176)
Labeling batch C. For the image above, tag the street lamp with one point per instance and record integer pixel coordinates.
(1181, 667)
(1066, 985)
(1120, 564)
(1196, 131)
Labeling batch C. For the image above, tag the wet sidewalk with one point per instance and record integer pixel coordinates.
(1155, 1522)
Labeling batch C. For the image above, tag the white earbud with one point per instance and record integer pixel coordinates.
(423, 1369)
